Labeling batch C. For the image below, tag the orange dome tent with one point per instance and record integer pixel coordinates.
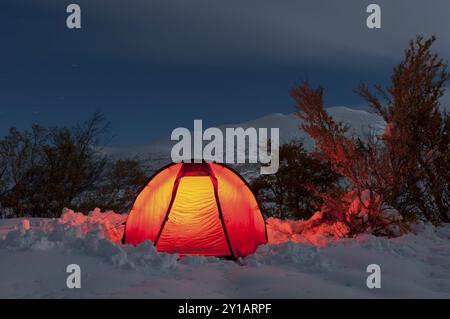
(197, 209)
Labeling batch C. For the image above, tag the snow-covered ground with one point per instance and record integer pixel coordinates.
(34, 255)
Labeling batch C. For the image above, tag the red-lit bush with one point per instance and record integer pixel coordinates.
(408, 166)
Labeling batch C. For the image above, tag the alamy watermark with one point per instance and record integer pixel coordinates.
(374, 279)
(73, 20)
(374, 19)
(73, 281)
(229, 145)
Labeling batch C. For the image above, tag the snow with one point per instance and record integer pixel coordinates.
(36, 252)
(156, 154)
(361, 122)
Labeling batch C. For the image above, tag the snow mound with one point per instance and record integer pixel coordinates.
(100, 234)
(297, 263)
(306, 257)
(346, 219)
(97, 234)
(312, 231)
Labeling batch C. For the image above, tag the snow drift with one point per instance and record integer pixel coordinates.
(295, 264)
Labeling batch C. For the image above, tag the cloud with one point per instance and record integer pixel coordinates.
(284, 32)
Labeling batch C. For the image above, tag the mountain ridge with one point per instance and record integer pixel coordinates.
(361, 122)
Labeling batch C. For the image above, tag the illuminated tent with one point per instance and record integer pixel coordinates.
(197, 209)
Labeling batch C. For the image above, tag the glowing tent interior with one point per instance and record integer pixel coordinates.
(197, 209)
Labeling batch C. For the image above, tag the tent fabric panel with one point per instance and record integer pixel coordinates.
(150, 207)
(243, 219)
(193, 226)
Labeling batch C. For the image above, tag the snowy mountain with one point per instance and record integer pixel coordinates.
(361, 123)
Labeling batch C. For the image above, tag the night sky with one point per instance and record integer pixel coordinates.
(151, 66)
